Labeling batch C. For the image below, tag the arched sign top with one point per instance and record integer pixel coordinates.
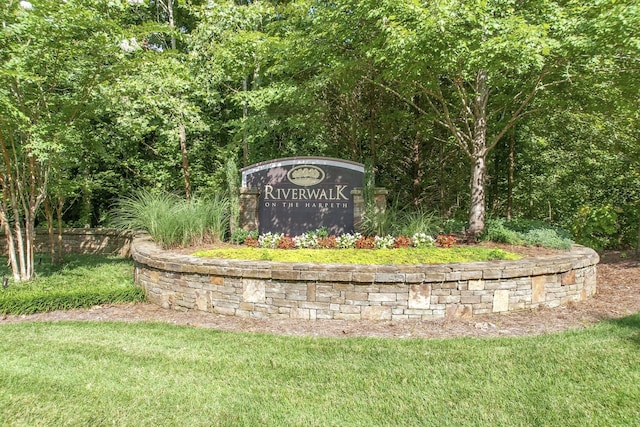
(300, 161)
(300, 194)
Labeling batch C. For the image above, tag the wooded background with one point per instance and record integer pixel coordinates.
(527, 109)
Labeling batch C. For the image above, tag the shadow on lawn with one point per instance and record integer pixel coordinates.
(632, 323)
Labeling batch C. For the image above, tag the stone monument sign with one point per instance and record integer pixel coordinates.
(300, 194)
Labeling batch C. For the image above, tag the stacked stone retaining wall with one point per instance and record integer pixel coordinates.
(83, 241)
(267, 289)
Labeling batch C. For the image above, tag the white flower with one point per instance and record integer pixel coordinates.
(26, 5)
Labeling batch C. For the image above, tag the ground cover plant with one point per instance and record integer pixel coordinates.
(362, 256)
(82, 373)
(81, 281)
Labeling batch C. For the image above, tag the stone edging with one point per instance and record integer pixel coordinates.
(268, 289)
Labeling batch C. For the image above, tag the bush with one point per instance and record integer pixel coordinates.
(532, 233)
(548, 238)
(83, 281)
(496, 231)
(171, 221)
(418, 221)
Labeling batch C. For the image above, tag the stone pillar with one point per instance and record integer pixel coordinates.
(358, 207)
(249, 219)
(380, 201)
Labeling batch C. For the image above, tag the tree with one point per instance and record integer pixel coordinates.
(46, 83)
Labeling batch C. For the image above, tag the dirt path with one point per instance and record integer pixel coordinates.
(618, 296)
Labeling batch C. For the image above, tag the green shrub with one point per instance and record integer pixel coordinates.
(171, 221)
(548, 238)
(532, 233)
(453, 226)
(596, 227)
(239, 236)
(496, 231)
(82, 281)
(418, 221)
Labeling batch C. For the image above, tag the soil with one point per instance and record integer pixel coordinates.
(618, 296)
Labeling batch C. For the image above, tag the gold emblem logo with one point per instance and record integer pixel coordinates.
(305, 175)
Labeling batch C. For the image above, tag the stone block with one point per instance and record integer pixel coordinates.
(382, 297)
(253, 290)
(568, 278)
(471, 275)
(451, 299)
(357, 296)
(492, 273)
(538, 289)
(351, 309)
(389, 278)
(227, 311)
(285, 274)
(419, 296)
(475, 285)
(335, 276)
(376, 313)
(500, 301)
(358, 277)
(311, 292)
(345, 316)
(202, 300)
(299, 313)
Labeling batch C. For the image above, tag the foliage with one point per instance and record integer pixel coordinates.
(363, 253)
(270, 240)
(82, 281)
(172, 221)
(532, 233)
(286, 242)
(422, 240)
(596, 227)
(446, 241)
(52, 59)
(240, 235)
(402, 242)
(413, 221)
(384, 242)
(537, 102)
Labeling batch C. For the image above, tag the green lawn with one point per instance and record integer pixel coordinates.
(157, 375)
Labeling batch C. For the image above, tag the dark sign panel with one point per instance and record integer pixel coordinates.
(301, 194)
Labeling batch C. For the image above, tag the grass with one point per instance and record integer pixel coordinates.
(172, 221)
(362, 256)
(156, 374)
(82, 281)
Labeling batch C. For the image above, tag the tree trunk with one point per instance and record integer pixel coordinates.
(87, 206)
(172, 24)
(245, 114)
(512, 167)
(60, 206)
(479, 151)
(185, 161)
(48, 211)
(477, 209)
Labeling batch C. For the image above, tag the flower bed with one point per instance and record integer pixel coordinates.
(372, 292)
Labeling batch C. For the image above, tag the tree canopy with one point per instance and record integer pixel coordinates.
(470, 109)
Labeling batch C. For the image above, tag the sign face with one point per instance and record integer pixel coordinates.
(301, 194)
